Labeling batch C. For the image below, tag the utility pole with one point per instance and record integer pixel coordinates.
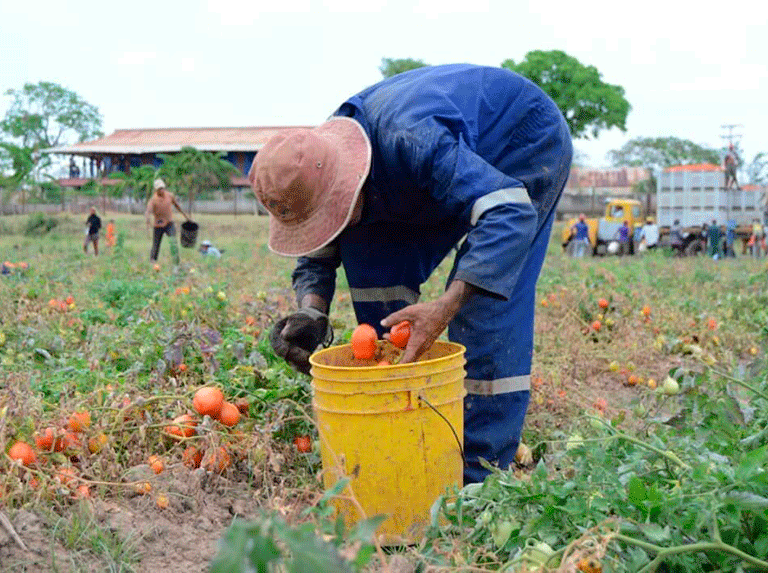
(731, 136)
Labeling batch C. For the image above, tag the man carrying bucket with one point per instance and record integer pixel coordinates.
(400, 174)
(160, 207)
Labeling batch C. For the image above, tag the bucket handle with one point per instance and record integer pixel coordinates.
(447, 421)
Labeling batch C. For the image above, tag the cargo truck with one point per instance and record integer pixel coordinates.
(694, 195)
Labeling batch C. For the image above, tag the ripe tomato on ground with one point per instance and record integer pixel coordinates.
(303, 444)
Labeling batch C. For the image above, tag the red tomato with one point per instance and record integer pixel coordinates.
(303, 444)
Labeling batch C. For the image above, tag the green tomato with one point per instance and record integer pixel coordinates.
(485, 517)
(501, 532)
(670, 386)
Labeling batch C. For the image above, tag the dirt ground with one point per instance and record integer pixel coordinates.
(183, 537)
(179, 539)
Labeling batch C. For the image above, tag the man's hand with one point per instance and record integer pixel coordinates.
(297, 336)
(429, 319)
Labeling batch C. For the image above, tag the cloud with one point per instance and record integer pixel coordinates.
(136, 58)
(187, 65)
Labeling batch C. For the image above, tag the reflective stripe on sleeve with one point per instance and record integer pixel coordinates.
(384, 294)
(500, 197)
(325, 252)
(498, 386)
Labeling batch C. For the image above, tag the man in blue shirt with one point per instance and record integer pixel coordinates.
(400, 174)
(580, 233)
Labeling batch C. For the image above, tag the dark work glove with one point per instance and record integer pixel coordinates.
(296, 336)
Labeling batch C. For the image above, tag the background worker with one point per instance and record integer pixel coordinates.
(110, 238)
(623, 236)
(649, 233)
(92, 227)
(160, 208)
(207, 249)
(387, 187)
(714, 236)
(580, 242)
(730, 239)
(731, 164)
(677, 238)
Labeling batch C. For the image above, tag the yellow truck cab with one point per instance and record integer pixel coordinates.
(603, 230)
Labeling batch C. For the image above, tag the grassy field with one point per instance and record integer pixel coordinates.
(647, 416)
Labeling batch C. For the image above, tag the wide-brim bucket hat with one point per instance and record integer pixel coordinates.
(309, 180)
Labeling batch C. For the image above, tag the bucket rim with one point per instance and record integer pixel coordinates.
(460, 349)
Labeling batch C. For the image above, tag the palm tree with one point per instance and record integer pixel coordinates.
(140, 182)
(194, 171)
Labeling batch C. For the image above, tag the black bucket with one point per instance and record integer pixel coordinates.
(189, 234)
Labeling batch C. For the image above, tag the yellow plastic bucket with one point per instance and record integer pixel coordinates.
(395, 431)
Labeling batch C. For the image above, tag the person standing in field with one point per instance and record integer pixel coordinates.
(386, 187)
(714, 237)
(677, 238)
(580, 232)
(622, 235)
(756, 239)
(110, 238)
(160, 208)
(730, 239)
(92, 227)
(650, 234)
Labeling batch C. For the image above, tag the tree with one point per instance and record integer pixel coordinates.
(757, 171)
(391, 67)
(44, 115)
(660, 152)
(21, 164)
(587, 102)
(193, 171)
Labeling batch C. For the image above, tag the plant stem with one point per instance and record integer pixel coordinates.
(671, 456)
(662, 554)
(741, 383)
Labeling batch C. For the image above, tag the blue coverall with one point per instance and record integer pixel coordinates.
(458, 152)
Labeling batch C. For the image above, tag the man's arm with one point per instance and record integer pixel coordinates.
(173, 200)
(148, 212)
(429, 319)
(297, 335)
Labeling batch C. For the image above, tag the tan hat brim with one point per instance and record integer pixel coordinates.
(333, 215)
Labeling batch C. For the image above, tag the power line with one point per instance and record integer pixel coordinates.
(731, 136)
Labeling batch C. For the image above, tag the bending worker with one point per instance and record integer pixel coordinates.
(387, 186)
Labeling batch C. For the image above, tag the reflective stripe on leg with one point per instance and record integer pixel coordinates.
(498, 386)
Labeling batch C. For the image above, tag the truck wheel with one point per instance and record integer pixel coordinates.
(695, 248)
(599, 249)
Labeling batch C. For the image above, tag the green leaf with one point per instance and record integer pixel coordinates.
(747, 500)
(365, 530)
(337, 488)
(637, 491)
(654, 532)
(238, 539)
(310, 553)
(752, 462)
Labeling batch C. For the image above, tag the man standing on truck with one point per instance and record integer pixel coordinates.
(731, 163)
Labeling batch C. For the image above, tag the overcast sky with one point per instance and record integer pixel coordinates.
(687, 68)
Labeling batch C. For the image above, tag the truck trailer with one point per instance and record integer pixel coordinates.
(694, 195)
